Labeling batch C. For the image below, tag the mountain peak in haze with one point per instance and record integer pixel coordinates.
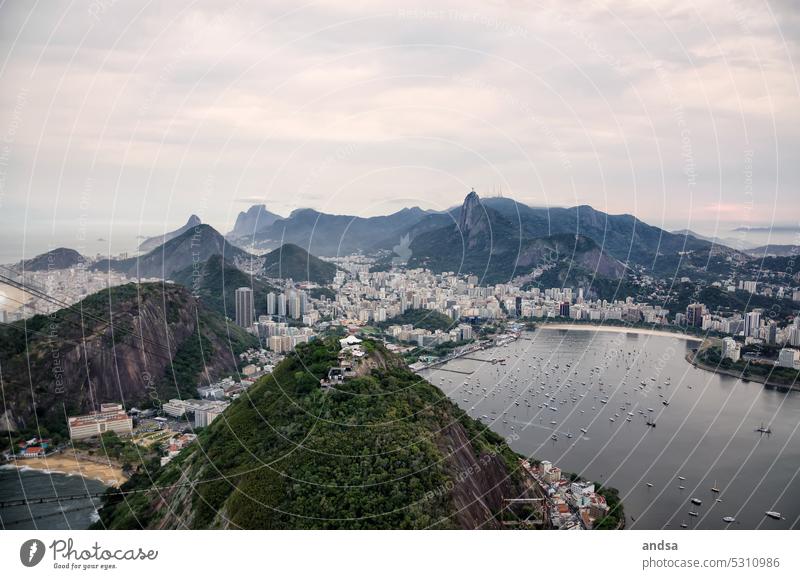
(151, 243)
(473, 214)
(256, 218)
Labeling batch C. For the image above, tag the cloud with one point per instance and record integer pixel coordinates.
(150, 113)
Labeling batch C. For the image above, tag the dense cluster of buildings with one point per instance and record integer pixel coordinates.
(425, 338)
(203, 412)
(569, 504)
(33, 448)
(175, 445)
(67, 286)
(750, 328)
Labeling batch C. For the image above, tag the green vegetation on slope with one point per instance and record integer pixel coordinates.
(372, 454)
(291, 261)
(426, 319)
(711, 355)
(215, 282)
(720, 301)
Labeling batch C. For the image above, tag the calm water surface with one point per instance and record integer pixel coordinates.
(706, 433)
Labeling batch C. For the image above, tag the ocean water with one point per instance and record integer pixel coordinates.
(706, 434)
(72, 514)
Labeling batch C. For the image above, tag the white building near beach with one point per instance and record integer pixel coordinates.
(110, 418)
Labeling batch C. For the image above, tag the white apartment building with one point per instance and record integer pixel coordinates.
(110, 418)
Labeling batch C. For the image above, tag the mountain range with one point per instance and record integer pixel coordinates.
(331, 235)
(485, 242)
(495, 238)
(582, 237)
(193, 246)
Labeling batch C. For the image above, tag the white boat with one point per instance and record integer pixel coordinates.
(696, 501)
(649, 484)
(773, 515)
(729, 519)
(694, 514)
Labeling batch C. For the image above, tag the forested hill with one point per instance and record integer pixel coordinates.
(425, 319)
(214, 283)
(128, 344)
(383, 450)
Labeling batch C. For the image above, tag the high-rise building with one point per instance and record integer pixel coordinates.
(752, 324)
(694, 315)
(563, 309)
(518, 306)
(282, 305)
(293, 306)
(272, 304)
(772, 332)
(244, 307)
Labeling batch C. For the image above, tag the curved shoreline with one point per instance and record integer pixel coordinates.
(618, 330)
(690, 357)
(63, 463)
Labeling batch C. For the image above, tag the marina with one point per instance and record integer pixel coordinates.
(590, 402)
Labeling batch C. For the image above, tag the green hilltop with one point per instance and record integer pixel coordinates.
(384, 449)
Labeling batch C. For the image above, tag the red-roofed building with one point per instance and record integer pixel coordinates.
(33, 452)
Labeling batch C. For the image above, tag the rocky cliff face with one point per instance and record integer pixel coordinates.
(473, 220)
(118, 346)
(249, 223)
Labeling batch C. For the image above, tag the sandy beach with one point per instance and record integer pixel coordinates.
(619, 330)
(68, 463)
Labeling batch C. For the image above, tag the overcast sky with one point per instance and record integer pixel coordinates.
(684, 113)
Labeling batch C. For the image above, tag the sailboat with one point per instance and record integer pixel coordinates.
(714, 489)
(764, 429)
